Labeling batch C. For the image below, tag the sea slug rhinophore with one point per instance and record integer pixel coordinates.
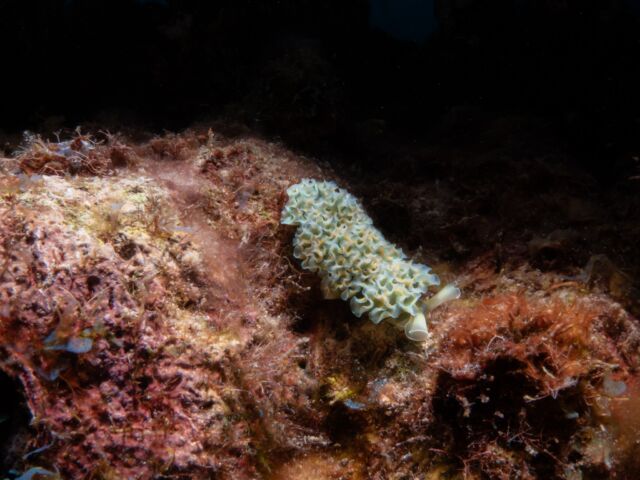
(336, 239)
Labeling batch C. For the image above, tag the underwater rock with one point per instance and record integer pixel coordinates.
(158, 326)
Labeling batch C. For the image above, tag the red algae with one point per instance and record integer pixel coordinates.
(212, 355)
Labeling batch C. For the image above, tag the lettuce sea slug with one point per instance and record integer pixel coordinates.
(336, 239)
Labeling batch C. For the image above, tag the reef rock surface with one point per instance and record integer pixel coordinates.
(154, 323)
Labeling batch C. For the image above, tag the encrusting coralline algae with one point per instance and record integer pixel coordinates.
(153, 324)
(336, 239)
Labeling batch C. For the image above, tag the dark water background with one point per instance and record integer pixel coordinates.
(327, 65)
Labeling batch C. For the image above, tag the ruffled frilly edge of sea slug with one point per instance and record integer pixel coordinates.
(414, 323)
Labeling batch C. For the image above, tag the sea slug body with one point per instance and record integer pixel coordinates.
(336, 239)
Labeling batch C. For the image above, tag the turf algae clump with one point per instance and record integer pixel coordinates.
(337, 240)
